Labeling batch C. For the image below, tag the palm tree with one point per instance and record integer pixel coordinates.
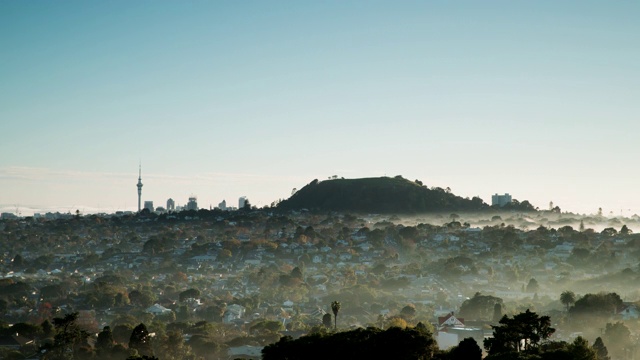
(335, 306)
(568, 298)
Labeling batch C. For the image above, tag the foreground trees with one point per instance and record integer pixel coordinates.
(141, 341)
(526, 336)
(467, 349)
(371, 343)
(69, 341)
(524, 332)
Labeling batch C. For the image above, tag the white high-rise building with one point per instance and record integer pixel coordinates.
(171, 205)
(241, 202)
(500, 200)
(223, 205)
(193, 203)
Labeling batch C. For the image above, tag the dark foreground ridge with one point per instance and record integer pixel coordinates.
(382, 195)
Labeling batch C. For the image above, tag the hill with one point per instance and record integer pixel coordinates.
(378, 195)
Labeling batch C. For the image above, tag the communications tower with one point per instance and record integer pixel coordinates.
(139, 187)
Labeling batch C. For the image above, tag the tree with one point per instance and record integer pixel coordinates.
(68, 339)
(625, 230)
(396, 322)
(143, 298)
(173, 347)
(467, 349)
(105, 341)
(141, 341)
(609, 231)
(335, 307)
(479, 307)
(601, 351)
(524, 331)
(122, 333)
(601, 304)
(408, 312)
(47, 328)
(326, 320)
(580, 349)
(568, 298)
(189, 294)
(370, 343)
(497, 312)
(203, 346)
(296, 273)
(18, 262)
(618, 336)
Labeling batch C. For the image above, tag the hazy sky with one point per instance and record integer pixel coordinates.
(221, 99)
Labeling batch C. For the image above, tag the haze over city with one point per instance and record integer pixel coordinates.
(229, 99)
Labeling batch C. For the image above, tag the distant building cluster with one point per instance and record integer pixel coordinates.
(8, 215)
(500, 200)
(192, 203)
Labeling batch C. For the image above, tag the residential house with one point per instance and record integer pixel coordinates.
(234, 312)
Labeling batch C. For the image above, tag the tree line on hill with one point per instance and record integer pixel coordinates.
(384, 195)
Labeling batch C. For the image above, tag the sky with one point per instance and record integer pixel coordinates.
(222, 99)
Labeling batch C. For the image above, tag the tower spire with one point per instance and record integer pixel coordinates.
(139, 185)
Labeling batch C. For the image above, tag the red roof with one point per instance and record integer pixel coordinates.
(443, 319)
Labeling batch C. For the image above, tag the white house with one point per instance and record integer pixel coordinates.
(629, 312)
(157, 309)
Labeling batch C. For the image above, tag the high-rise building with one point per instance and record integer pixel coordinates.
(171, 205)
(500, 200)
(193, 203)
(148, 205)
(241, 202)
(139, 186)
(223, 205)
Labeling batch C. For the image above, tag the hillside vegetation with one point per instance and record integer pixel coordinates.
(378, 195)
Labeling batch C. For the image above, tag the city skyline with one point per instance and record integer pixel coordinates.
(222, 100)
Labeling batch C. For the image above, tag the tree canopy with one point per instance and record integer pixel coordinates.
(370, 343)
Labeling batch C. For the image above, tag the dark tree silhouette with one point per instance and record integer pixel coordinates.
(508, 336)
(335, 307)
(567, 298)
(326, 320)
(68, 339)
(601, 351)
(467, 349)
(533, 286)
(141, 341)
(370, 343)
(479, 307)
(497, 312)
(105, 341)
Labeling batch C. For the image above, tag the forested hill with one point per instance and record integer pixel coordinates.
(378, 195)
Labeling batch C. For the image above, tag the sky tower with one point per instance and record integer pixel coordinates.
(139, 186)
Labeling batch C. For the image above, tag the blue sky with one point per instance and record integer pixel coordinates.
(224, 99)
